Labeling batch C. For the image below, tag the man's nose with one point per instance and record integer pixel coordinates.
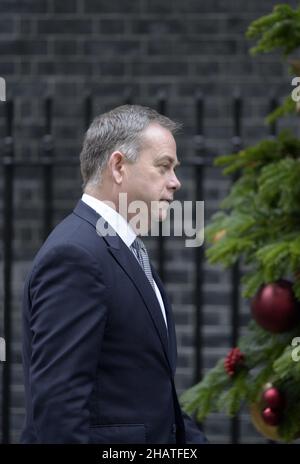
(175, 183)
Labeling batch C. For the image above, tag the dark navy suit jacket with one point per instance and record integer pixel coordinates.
(98, 363)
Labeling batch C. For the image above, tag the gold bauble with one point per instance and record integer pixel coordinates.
(268, 431)
(219, 235)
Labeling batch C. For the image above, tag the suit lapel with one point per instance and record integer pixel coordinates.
(130, 265)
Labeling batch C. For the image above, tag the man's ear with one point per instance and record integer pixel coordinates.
(116, 166)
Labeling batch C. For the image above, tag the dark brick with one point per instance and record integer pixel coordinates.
(25, 67)
(26, 233)
(212, 318)
(36, 88)
(46, 67)
(176, 275)
(64, 26)
(23, 47)
(237, 24)
(65, 47)
(69, 89)
(185, 296)
(104, 6)
(263, 68)
(31, 131)
(219, 6)
(110, 26)
(215, 298)
(64, 68)
(74, 67)
(117, 91)
(109, 48)
(67, 151)
(157, 26)
(245, 318)
(212, 276)
(193, 46)
(65, 132)
(187, 339)
(66, 109)
(109, 68)
(25, 6)
(66, 6)
(7, 68)
(203, 26)
(154, 89)
(166, 47)
(161, 7)
(214, 340)
(7, 26)
(206, 69)
(211, 360)
(181, 318)
(183, 359)
(160, 69)
(26, 25)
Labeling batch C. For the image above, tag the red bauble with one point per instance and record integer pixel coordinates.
(275, 307)
(270, 416)
(273, 398)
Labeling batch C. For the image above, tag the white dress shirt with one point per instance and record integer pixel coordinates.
(123, 229)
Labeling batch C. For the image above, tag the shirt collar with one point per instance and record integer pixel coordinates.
(114, 219)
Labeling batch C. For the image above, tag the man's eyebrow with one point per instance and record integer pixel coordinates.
(168, 158)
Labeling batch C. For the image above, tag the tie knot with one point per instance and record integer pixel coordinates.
(138, 244)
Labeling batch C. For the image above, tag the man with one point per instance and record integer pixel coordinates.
(99, 346)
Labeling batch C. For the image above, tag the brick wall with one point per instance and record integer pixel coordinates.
(139, 48)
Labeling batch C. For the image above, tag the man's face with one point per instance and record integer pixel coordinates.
(152, 178)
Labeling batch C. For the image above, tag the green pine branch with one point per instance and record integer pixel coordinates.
(288, 107)
(278, 30)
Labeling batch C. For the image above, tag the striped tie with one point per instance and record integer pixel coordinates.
(141, 255)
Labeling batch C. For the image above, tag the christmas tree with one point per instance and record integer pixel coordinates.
(259, 225)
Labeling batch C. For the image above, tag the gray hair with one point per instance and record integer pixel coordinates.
(119, 129)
